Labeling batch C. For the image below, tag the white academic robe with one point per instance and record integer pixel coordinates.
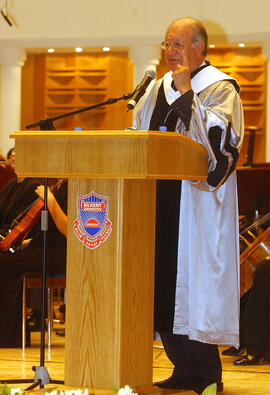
(207, 286)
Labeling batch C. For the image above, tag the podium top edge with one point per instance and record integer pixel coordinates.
(139, 134)
(65, 133)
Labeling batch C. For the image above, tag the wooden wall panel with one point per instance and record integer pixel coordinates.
(55, 84)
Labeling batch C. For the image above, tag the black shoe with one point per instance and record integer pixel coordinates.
(61, 333)
(174, 382)
(247, 360)
(233, 352)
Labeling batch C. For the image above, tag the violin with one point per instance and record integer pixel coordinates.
(18, 233)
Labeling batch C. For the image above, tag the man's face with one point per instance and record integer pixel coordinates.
(12, 159)
(179, 38)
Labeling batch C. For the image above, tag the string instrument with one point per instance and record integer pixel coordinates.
(257, 249)
(18, 233)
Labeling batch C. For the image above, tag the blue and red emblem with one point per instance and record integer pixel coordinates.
(92, 227)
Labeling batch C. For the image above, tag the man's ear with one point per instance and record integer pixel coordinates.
(199, 47)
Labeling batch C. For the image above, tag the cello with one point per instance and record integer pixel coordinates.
(254, 250)
(19, 230)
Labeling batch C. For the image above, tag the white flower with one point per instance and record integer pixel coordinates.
(15, 391)
(67, 392)
(126, 391)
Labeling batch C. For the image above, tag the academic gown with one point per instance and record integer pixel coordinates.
(205, 297)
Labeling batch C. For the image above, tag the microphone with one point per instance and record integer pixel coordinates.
(141, 88)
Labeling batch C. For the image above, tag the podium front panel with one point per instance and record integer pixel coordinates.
(109, 320)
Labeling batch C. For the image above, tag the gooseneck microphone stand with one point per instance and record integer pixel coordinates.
(42, 376)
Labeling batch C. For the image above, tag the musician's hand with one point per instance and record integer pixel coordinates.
(58, 216)
(40, 192)
(181, 75)
(25, 243)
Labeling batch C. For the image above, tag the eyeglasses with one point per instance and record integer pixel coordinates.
(175, 45)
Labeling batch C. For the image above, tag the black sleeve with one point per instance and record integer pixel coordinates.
(182, 107)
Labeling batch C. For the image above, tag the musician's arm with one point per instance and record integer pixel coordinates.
(58, 215)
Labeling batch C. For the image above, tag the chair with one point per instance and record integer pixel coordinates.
(33, 280)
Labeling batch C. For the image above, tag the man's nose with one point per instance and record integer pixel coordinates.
(172, 50)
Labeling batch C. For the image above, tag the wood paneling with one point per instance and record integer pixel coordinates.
(55, 84)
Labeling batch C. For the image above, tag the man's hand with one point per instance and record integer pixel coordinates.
(181, 75)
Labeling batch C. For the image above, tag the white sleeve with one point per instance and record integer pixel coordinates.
(217, 123)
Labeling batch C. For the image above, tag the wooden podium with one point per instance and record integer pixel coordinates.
(109, 319)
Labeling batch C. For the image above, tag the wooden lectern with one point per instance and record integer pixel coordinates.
(109, 320)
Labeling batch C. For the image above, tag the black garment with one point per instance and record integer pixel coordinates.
(255, 317)
(167, 222)
(12, 266)
(166, 242)
(6, 174)
(162, 114)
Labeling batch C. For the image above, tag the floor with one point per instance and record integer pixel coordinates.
(14, 364)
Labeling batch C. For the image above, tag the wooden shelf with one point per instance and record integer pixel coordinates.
(92, 71)
(54, 99)
(252, 95)
(247, 66)
(74, 81)
(58, 82)
(88, 98)
(66, 71)
(92, 81)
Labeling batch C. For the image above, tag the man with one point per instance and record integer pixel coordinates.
(197, 257)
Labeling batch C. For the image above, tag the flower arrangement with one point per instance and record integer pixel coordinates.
(5, 390)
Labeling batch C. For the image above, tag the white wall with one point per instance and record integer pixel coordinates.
(124, 23)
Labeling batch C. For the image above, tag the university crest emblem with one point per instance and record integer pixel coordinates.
(92, 227)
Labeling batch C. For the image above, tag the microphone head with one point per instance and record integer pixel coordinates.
(141, 88)
(151, 73)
